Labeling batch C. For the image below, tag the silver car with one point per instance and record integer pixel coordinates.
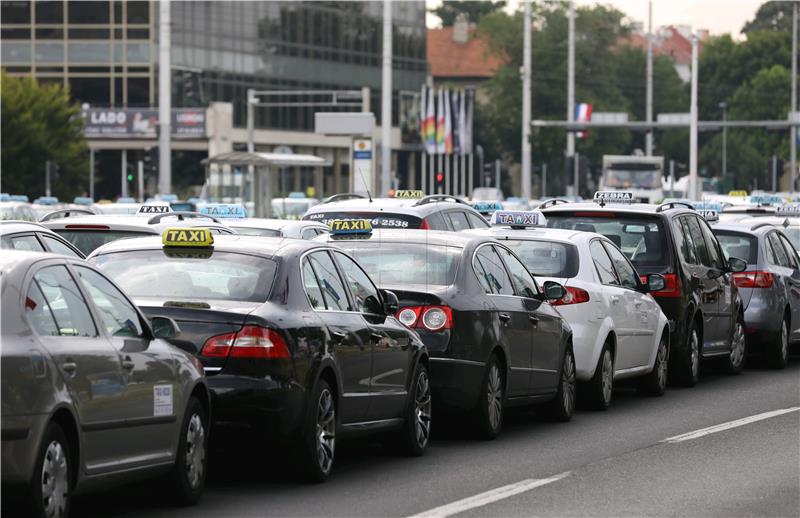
(91, 391)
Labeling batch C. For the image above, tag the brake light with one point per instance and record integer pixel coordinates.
(752, 279)
(423, 225)
(432, 318)
(573, 296)
(90, 227)
(249, 342)
(672, 288)
(594, 214)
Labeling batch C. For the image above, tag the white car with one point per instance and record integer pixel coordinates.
(619, 330)
(278, 228)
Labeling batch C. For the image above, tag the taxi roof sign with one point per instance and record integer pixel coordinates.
(707, 205)
(792, 209)
(519, 218)
(603, 197)
(224, 210)
(709, 215)
(766, 199)
(350, 227)
(198, 237)
(148, 209)
(741, 194)
(409, 194)
(487, 206)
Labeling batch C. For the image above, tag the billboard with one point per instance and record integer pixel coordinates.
(134, 123)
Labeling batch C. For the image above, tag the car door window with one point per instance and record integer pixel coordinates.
(28, 243)
(791, 254)
(435, 221)
(625, 272)
(491, 272)
(333, 291)
(364, 292)
(605, 269)
(309, 233)
(712, 245)
(312, 287)
(780, 256)
(38, 312)
(524, 284)
(66, 304)
(459, 220)
(696, 234)
(476, 221)
(119, 316)
(58, 247)
(685, 244)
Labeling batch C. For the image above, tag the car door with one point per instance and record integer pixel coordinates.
(545, 325)
(349, 335)
(152, 392)
(391, 354)
(794, 286)
(512, 317)
(87, 362)
(706, 288)
(724, 284)
(642, 311)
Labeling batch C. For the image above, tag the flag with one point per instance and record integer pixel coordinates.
(462, 124)
(469, 107)
(430, 124)
(454, 96)
(583, 113)
(448, 124)
(422, 114)
(440, 124)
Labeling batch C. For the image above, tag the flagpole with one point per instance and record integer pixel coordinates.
(423, 177)
(470, 175)
(447, 179)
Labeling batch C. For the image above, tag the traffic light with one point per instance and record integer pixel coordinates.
(130, 176)
(439, 177)
(150, 160)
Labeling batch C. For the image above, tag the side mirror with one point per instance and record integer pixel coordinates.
(164, 327)
(737, 265)
(553, 290)
(656, 282)
(390, 303)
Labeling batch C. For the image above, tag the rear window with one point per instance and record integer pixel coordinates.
(793, 233)
(546, 258)
(735, 244)
(262, 232)
(190, 274)
(87, 241)
(642, 239)
(398, 264)
(378, 219)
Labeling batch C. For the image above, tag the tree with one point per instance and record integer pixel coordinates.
(38, 124)
(771, 16)
(474, 10)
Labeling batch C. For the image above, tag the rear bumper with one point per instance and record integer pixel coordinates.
(763, 315)
(456, 383)
(21, 436)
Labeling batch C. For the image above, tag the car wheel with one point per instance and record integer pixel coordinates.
(51, 484)
(598, 390)
(188, 476)
(562, 406)
(489, 412)
(686, 362)
(734, 362)
(655, 382)
(778, 353)
(317, 444)
(416, 431)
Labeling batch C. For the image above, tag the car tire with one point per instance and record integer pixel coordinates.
(599, 389)
(51, 486)
(316, 447)
(413, 438)
(685, 367)
(734, 361)
(777, 355)
(489, 410)
(562, 406)
(188, 476)
(655, 382)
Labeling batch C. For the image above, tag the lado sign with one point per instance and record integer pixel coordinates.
(135, 123)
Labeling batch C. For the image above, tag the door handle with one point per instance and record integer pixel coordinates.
(504, 317)
(534, 320)
(376, 336)
(127, 363)
(615, 300)
(69, 368)
(338, 335)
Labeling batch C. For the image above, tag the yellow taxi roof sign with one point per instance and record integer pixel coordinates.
(197, 237)
(350, 227)
(408, 194)
(737, 193)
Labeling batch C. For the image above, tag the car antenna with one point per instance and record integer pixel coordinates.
(361, 174)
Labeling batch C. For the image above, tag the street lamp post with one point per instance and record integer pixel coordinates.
(724, 107)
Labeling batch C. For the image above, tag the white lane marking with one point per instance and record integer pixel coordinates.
(727, 426)
(493, 495)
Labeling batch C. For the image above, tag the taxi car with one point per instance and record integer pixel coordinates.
(24, 235)
(407, 210)
(235, 215)
(296, 340)
(787, 218)
(700, 299)
(618, 331)
(494, 340)
(89, 231)
(92, 393)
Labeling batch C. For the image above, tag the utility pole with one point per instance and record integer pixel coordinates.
(724, 107)
(497, 173)
(649, 102)
(47, 178)
(793, 145)
(571, 78)
(692, 191)
(91, 173)
(164, 99)
(386, 99)
(672, 178)
(526, 104)
(544, 179)
(576, 173)
(140, 180)
(123, 174)
(774, 173)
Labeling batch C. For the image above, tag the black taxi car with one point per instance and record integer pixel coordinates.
(699, 298)
(295, 338)
(493, 338)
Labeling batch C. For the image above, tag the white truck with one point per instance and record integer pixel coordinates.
(641, 175)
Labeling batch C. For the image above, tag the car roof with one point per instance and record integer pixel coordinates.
(407, 206)
(13, 226)
(533, 233)
(131, 222)
(632, 208)
(428, 237)
(12, 259)
(779, 221)
(271, 224)
(755, 226)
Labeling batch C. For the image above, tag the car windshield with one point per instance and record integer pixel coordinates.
(87, 241)
(640, 238)
(735, 244)
(633, 179)
(378, 219)
(399, 264)
(251, 231)
(546, 258)
(196, 274)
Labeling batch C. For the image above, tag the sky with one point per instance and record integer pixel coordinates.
(718, 16)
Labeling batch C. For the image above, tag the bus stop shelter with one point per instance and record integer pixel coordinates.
(263, 166)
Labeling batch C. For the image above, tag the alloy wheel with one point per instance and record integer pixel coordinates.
(694, 350)
(661, 358)
(422, 409)
(784, 342)
(195, 451)
(608, 376)
(326, 430)
(737, 345)
(55, 481)
(568, 382)
(495, 396)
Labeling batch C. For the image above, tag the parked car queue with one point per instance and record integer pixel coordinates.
(357, 331)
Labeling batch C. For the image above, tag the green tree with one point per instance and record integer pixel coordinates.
(448, 10)
(39, 123)
(771, 16)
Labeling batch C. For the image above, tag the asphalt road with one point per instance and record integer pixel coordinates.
(614, 463)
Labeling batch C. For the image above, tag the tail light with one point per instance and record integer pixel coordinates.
(752, 279)
(423, 225)
(573, 296)
(672, 288)
(432, 318)
(248, 342)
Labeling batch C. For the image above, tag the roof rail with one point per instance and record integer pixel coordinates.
(345, 196)
(66, 213)
(762, 225)
(552, 203)
(673, 205)
(434, 198)
(182, 215)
